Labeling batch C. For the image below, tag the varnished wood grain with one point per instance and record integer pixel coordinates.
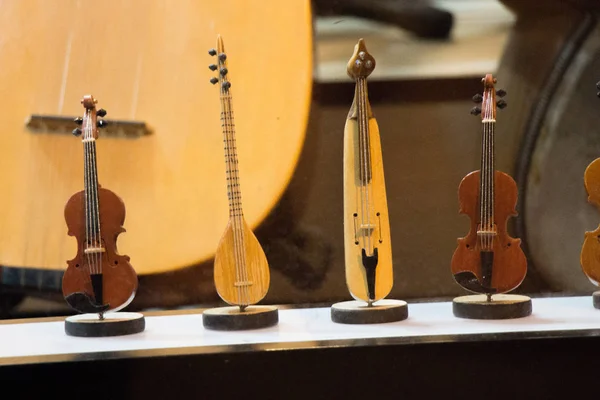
(119, 278)
(147, 61)
(510, 265)
(590, 252)
(231, 269)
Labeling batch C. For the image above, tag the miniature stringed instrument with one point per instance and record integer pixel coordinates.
(98, 279)
(241, 271)
(590, 252)
(488, 260)
(368, 251)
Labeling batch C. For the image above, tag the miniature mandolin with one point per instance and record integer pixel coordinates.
(241, 269)
(590, 252)
(98, 279)
(368, 251)
(488, 260)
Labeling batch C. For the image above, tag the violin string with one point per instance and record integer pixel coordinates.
(88, 235)
(97, 233)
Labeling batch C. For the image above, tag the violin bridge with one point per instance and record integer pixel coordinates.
(93, 250)
(367, 229)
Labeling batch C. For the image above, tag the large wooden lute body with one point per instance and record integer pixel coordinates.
(147, 61)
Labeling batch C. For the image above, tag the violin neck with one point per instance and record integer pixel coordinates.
(361, 111)
(92, 208)
(231, 159)
(486, 178)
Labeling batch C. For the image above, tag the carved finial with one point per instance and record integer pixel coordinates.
(361, 63)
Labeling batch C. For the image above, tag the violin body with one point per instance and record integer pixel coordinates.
(509, 263)
(119, 279)
(590, 253)
(241, 269)
(354, 214)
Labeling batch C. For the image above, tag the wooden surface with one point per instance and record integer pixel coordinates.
(509, 266)
(147, 62)
(237, 282)
(590, 253)
(365, 202)
(119, 279)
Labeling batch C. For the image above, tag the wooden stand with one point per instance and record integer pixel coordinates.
(358, 312)
(501, 306)
(596, 299)
(232, 319)
(113, 324)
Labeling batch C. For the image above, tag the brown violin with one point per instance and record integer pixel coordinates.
(488, 260)
(590, 252)
(98, 279)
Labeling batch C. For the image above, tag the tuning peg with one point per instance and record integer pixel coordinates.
(598, 85)
(223, 71)
(214, 80)
(222, 56)
(101, 112)
(76, 132)
(101, 123)
(501, 104)
(477, 98)
(78, 120)
(500, 92)
(226, 85)
(475, 110)
(598, 94)
(212, 52)
(213, 67)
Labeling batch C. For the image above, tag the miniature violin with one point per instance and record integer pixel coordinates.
(98, 279)
(368, 250)
(590, 252)
(241, 270)
(488, 260)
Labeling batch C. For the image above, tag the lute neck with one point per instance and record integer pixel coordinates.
(231, 159)
(362, 113)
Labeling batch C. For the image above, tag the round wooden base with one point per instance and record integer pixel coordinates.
(502, 306)
(596, 299)
(358, 312)
(232, 319)
(113, 324)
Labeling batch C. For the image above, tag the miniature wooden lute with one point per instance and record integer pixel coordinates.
(488, 260)
(368, 251)
(590, 252)
(98, 279)
(241, 271)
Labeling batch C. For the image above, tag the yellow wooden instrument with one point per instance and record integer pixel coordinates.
(368, 251)
(143, 58)
(241, 268)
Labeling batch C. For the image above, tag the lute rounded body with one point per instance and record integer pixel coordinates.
(509, 263)
(590, 253)
(241, 269)
(119, 279)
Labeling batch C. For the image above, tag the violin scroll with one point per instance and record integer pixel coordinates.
(488, 101)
